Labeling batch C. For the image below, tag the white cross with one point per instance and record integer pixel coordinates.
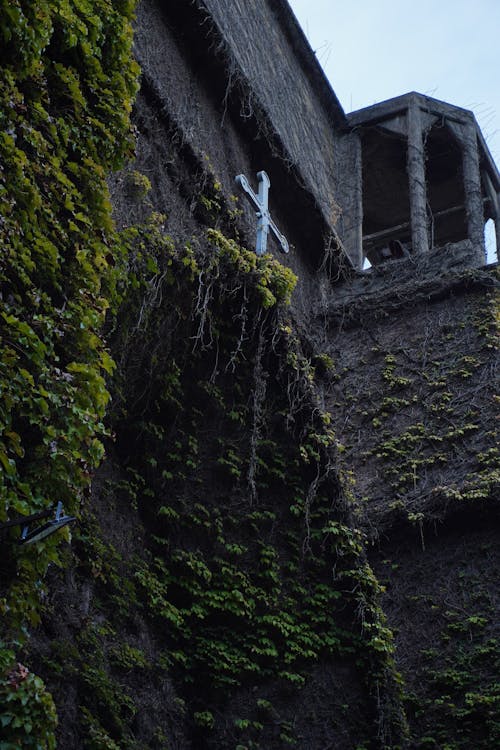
(260, 203)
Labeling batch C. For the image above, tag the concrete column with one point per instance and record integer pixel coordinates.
(497, 229)
(416, 179)
(473, 190)
(356, 233)
(495, 203)
(349, 195)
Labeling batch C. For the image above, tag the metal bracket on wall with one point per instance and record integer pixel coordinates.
(261, 202)
(39, 532)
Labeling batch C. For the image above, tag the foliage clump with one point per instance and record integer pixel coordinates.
(416, 409)
(233, 471)
(66, 90)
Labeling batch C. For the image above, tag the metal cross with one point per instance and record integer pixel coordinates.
(260, 202)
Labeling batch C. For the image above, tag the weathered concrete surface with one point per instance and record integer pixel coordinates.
(428, 177)
(213, 105)
(271, 53)
(412, 392)
(242, 91)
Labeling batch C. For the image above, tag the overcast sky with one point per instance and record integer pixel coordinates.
(372, 50)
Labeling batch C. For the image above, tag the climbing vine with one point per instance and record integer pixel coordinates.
(67, 84)
(251, 571)
(416, 402)
(248, 572)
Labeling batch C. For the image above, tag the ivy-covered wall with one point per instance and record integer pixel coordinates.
(200, 117)
(251, 484)
(415, 403)
(218, 556)
(66, 91)
(215, 585)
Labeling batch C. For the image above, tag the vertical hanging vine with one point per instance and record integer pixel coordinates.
(252, 573)
(67, 85)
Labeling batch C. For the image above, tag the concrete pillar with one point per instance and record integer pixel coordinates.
(497, 228)
(356, 238)
(349, 194)
(473, 190)
(416, 179)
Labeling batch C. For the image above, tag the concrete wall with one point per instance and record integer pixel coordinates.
(412, 394)
(231, 88)
(283, 84)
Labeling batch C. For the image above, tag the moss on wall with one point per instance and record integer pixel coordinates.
(216, 592)
(65, 98)
(415, 403)
(250, 572)
(418, 393)
(246, 573)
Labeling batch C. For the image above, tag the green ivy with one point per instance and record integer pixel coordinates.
(68, 81)
(27, 712)
(237, 580)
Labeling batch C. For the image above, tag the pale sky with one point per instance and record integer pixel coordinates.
(372, 50)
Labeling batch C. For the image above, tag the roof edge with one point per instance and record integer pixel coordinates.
(305, 53)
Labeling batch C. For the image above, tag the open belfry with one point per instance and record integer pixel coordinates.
(249, 461)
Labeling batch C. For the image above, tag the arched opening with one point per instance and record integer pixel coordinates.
(386, 202)
(445, 189)
(490, 242)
